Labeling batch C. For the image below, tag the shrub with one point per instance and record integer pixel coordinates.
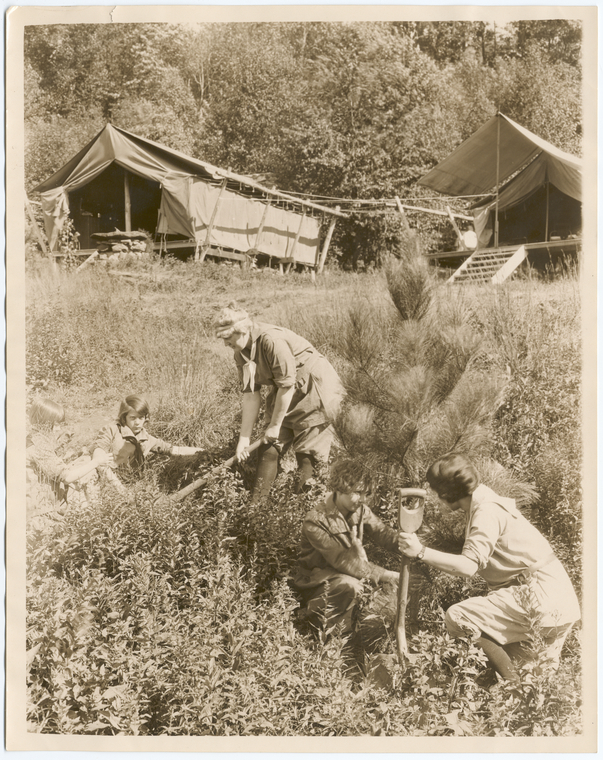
(151, 617)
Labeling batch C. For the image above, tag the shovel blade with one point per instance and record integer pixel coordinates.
(410, 520)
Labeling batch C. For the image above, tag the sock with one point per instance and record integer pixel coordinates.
(266, 470)
(498, 658)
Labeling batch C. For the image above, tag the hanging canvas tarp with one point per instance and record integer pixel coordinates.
(238, 221)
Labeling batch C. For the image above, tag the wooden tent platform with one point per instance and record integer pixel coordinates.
(552, 248)
(285, 264)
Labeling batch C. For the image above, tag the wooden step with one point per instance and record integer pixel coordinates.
(489, 266)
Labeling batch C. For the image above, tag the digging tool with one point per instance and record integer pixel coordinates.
(409, 521)
(196, 484)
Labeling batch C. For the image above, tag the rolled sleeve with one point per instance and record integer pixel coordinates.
(280, 360)
(48, 463)
(484, 532)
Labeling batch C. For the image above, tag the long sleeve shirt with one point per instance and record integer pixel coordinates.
(330, 542)
(500, 539)
(505, 546)
(128, 448)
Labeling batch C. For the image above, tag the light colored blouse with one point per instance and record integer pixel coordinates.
(126, 447)
(500, 539)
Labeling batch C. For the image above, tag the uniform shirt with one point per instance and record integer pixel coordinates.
(327, 543)
(128, 448)
(281, 357)
(43, 470)
(500, 539)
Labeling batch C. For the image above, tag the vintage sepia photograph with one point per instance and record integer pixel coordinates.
(301, 378)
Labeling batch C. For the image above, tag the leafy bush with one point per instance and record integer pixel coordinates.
(539, 423)
(152, 617)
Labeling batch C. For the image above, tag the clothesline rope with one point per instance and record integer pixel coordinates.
(439, 198)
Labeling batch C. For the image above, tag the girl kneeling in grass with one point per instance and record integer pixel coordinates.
(524, 576)
(129, 442)
(332, 561)
(49, 477)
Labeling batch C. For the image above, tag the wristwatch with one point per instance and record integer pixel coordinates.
(421, 554)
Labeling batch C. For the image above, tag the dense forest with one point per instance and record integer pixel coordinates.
(335, 110)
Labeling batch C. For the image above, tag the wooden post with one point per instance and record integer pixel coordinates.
(456, 227)
(200, 257)
(498, 118)
(127, 203)
(546, 223)
(327, 242)
(402, 214)
(88, 260)
(433, 211)
(294, 246)
(37, 230)
(261, 227)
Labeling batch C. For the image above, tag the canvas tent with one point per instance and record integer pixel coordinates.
(542, 198)
(120, 180)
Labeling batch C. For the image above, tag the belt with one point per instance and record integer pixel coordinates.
(525, 574)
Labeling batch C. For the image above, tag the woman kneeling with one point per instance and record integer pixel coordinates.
(509, 553)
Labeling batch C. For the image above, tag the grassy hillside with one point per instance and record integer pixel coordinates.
(151, 617)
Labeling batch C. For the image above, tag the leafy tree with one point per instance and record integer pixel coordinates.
(342, 110)
(544, 97)
(559, 39)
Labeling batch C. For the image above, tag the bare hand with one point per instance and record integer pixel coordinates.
(272, 433)
(241, 454)
(103, 458)
(409, 544)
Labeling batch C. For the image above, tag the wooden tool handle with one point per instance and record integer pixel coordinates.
(409, 520)
(401, 644)
(184, 492)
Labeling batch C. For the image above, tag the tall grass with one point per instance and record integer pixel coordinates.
(152, 617)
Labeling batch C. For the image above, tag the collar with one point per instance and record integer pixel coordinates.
(331, 510)
(126, 432)
(485, 495)
(254, 333)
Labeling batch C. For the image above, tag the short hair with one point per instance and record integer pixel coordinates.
(453, 477)
(347, 476)
(132, 404)
(232, 320)
(43, 411)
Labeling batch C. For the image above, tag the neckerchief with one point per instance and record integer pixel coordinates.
(131, 438)
(249, 369)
